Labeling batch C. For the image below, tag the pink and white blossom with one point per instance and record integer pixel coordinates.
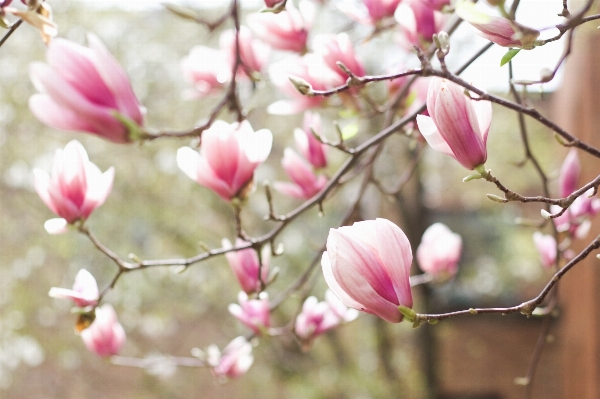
(499, 30)
(310, 147)
(246, 265)
(228, 157)
(317, 317)
(305, 182)
(105, 336)
(339, 48)
(457, 126)
(286, 30)
(234, 361)
(546, 247)
(367, 265)
(75, 188)
(439, 251)
(370, 12)
(206, 69)
(418, 22)
(85, 89)
(253, 53)
(253, 313)
(309, 68)
(569, 174)
(84, 293)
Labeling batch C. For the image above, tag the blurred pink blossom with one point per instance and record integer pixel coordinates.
(334, 48)
(311, 69)
(287, 30)
(253, 53)
(305, 183)
(457, 126)
(206, 69)
(367, 265)
(105, 336)
(253, 313)
(499, 30)
(84, 293)
(370, 12)
(546, 246)
(245, 265)
(439, 251)
(234, 361)
(75, 189)
(418, 22)
(310, 147)
(317, 317)
(228, 157)
(569, 174)
(85, 89)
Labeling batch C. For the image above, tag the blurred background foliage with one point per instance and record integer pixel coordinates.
(156, 212)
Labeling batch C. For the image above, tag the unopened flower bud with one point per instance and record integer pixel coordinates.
(301, 85)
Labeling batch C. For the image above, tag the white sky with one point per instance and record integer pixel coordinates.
(486, 73)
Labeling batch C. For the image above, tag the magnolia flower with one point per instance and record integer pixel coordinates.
(418, 22)
(457, 126)
(287, 30)
(338, 48)
(84, 293)
(305, 183)
(569, 174)
(546, 246)
(371, 12)
(245, 265)
(75, 189)
(310, 69)
(234, 361)
(105, 336)
(253, 53)
(310, 147)
(317, 317)
(575, 220)
(501, 31)
(253, 313)
(228, 157)
(206, 69)
(439, 251)
(367, 265)
(85, 89)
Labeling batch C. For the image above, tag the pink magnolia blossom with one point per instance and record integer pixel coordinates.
(85, 89)
(439, 251)
(105, 336)
(569, 174)
(272, 3)
(305, 183)
(310, 147)
(370, 12)
(499, 30)
(546, 246)
(228, 157)
(334, 48)
(287, 30)
(253, 313)
(234, 361)
(317, 317)
(75, 189)
(253, 53)
(245, 265)
(207, 69)
(575, 220)
(457, 126)
(418, 22)
(309, 68)
(367, 265)
(84, 293)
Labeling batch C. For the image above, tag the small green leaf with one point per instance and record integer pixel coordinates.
(347, 113)
(349, 131)
(510, 54)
